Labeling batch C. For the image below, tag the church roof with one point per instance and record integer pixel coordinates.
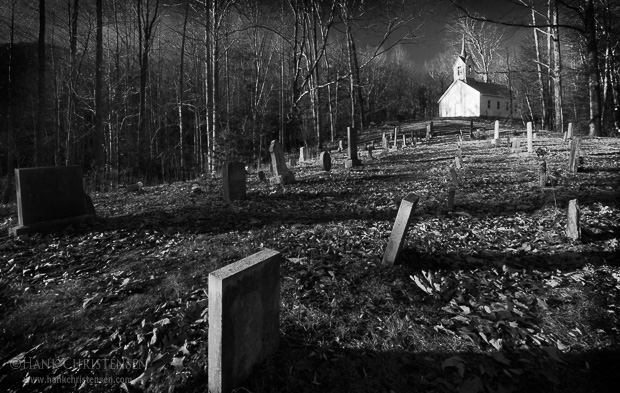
(489, 89)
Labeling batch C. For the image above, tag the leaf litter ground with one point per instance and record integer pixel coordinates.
(488, 297)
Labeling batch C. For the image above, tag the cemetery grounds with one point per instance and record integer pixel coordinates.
(491, 296)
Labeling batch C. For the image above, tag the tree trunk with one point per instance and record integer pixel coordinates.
(557, 71)
(180, 94)
(543, 94)
(594, 77)
(41, 88)
(98, 137)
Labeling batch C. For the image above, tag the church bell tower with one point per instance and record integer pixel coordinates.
(463, 67)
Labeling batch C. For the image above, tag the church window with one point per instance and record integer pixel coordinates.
(489, 104)
(497, 104)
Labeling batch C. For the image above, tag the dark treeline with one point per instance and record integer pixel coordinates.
(155, 90)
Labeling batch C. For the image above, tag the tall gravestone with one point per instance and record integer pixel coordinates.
(429, 130)
(244, 315)
(281, 173)
(395, 138)
(303, 154)
(496, 136)
(573, 159)
(569, 133)
(573, 227)
(399, 231)
(385, 141)
(50, 198)
(530, 147)
(352, 149)
(326, 161)
(233, 179)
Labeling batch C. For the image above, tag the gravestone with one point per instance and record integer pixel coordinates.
(326, 161)
(340, 145)
(451, 195)
(453, 177)
(352, 149)
(404, 140)
(50, 198)
(457, 163)
(515, 146)
(530, 147)
(573, 228)
(569, 133)
(384, 141)
(244, 313)
(233, 178)
(496, 136)
(281, 173)
(573, 159)
(471, 126)
(542, 173)
(261, 176)
(369, 149)
(303, 154)
(395, 138)
(429, 130)
(399, 231)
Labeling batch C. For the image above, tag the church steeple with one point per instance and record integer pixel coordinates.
(463, 66)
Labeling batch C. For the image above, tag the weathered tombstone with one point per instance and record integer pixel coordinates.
(352, 149)
(530, 147)
(573, 159)
(369, 149)
(457, 163)
(303, 154)
(573, 228)
(515, 146)
(395, 138)
(429, 130)
(244, 313)
(261, 176)
(404, 140)
(496, 136)
(233, 181)
(50, 198)
(384, 141)
(451, 195)
(281, 173)
(453, 177)
(399, 231)
(542, 173)
(569, 133)
(340, 145)
(326, 161)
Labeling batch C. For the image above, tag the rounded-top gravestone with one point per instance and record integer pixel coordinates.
(326, 161)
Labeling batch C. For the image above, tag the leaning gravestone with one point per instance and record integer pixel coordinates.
(453, 177)
(352, 149)
(326, 161)
(399, 231)
(244, 314)
(233, 178)
(281, 173)
(49, 198)
(573, 159)
(573, 229)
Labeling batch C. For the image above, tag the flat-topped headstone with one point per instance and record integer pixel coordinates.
(352, 149)
(244, 314)
(281, 173)
(573, 228)
(49, 198)
(399, 231)
(496, 135)
(326, 161)
(530, 147)
(303, 154)
(573, 158)
(233, 181)
(404, 140)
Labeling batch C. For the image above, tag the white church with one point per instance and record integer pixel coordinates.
(467, 97)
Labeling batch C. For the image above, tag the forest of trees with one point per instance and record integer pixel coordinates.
(157, 90)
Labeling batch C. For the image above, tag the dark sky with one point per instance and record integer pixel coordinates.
(434, 31)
